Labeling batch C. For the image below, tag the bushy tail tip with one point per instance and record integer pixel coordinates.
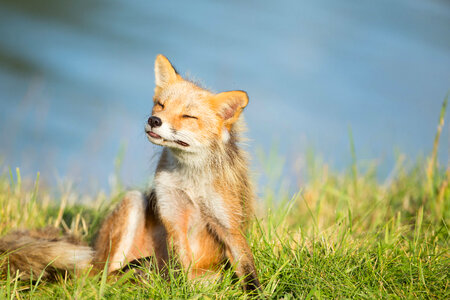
(42, 253)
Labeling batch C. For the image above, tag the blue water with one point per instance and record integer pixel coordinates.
(76, 79)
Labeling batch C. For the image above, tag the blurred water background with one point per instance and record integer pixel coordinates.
(76, 79)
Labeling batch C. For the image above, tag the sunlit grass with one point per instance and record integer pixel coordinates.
(344, 235)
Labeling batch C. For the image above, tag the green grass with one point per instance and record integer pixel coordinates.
(344, 235)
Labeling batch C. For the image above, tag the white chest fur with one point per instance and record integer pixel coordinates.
(179, 188)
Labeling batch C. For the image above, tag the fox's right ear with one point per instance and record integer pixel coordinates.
(165, 73)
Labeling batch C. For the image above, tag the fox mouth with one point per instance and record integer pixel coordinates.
(157, 136)
(182, 143)
(154, 135)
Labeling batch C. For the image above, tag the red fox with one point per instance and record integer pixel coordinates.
(200, 202)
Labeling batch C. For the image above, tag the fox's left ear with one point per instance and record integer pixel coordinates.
(165, 73)
(229, 105)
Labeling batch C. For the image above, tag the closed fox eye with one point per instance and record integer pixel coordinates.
(189, 117)
(160, 104)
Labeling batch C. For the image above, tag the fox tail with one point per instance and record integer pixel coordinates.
(42, 253)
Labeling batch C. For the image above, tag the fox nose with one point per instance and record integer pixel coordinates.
(154, 121)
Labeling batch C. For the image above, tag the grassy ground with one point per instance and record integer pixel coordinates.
(342, 236)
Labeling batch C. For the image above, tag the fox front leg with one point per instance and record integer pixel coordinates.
(237, 249)
(175, 209)
(239, 254)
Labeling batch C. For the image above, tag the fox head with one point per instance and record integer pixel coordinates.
(188, 118)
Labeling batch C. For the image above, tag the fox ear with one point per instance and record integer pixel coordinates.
(229, 105)
(165, 73)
